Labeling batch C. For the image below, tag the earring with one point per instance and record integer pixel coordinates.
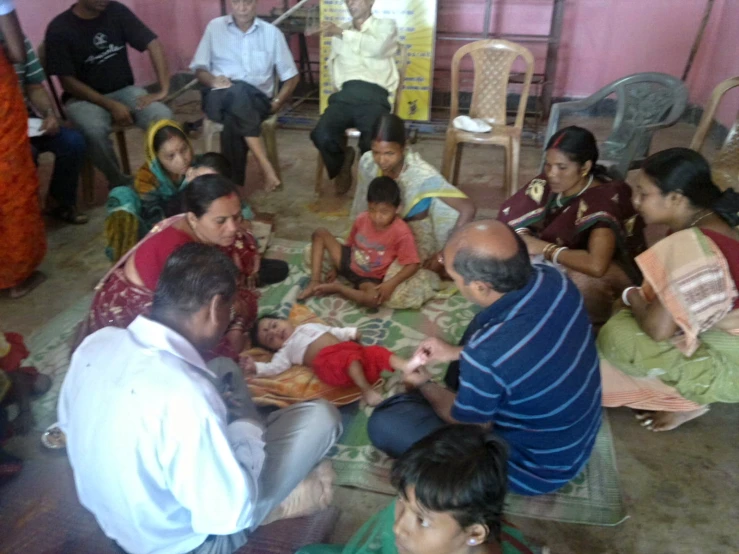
(472, 542)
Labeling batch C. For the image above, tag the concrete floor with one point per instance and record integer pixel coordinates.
(681, 487)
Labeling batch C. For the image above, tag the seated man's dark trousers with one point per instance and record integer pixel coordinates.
(241, 109)
(358, 104)
(400, 421)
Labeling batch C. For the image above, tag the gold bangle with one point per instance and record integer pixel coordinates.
(548, 251)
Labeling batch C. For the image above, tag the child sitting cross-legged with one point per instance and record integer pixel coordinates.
(451, 490)
(378, 237)
(330, 351)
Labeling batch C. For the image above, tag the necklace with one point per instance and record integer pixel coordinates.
(558, 200)
(697, 219)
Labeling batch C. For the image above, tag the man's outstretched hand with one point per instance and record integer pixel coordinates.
(435, 350)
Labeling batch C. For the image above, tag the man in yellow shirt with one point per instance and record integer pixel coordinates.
(362, 66)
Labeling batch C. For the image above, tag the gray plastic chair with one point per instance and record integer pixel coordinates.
(645, 102)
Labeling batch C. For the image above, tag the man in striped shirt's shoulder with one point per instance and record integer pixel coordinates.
(527, 365)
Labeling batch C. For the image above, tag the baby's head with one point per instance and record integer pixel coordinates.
(208, 163)
(383, 201)
(271, 331)
(452, 486)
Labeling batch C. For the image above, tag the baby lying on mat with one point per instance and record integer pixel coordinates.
(329, 351)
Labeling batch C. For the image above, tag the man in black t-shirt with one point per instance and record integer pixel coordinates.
(86, 49)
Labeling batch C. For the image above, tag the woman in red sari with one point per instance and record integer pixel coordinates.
(213, 216)
(21, 225)
(574, 215)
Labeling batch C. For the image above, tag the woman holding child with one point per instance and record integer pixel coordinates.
(673, 348)
(430, 205)
(213, 216)
(158, 186)
(576, 216)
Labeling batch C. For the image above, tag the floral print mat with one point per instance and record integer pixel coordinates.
(594, 497)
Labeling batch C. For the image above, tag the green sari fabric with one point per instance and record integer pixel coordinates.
(710, 374)
(377, 537)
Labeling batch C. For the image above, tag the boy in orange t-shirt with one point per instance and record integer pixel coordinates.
(378, 238)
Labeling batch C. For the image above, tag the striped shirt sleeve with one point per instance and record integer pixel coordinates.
(480, 394)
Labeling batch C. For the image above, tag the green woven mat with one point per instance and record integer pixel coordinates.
(594, 497)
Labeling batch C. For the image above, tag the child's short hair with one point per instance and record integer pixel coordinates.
(215, 161)
(384, 189)
(254, 331)
(460, 469)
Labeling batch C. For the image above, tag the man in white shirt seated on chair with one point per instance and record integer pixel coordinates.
(170, 454)
(363, 71)
(236, 61)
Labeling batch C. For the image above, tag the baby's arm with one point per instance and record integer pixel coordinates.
(280, 362)
(344, 333)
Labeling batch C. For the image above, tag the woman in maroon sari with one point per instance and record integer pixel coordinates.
(575, 216)
(213, 216)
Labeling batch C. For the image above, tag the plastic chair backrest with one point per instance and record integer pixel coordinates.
(492, 61)
(725, 164)
(645, 102)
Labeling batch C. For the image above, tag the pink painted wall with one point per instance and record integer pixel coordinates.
(717, 60)
(602, 40)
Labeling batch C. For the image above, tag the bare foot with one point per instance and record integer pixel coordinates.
(309, 291)
(331, 276)
(372, 397)
(667, 421)
(28, 285)
(313, 494)
(271, 181)
(414, 363)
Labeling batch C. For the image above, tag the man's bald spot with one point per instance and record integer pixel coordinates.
(487, 238)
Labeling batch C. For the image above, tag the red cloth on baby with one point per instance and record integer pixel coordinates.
(18, 352)
(331, 365)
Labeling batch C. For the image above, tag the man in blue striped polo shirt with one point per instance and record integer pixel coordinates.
(527, 365)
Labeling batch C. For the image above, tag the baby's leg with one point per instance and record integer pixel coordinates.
(356, 373)
(401, 364)
(323, 241)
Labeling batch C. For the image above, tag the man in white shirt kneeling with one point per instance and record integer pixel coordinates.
(170, 454)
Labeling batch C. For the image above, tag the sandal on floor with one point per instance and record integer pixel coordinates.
(69, 214)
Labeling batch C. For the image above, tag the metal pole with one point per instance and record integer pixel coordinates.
(550, 66)
(698, 39)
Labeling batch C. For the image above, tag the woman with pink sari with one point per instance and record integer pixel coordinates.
(213, 216)
(673, 347)
(575, 216)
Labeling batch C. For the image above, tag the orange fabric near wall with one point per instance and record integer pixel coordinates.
(22, 234)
